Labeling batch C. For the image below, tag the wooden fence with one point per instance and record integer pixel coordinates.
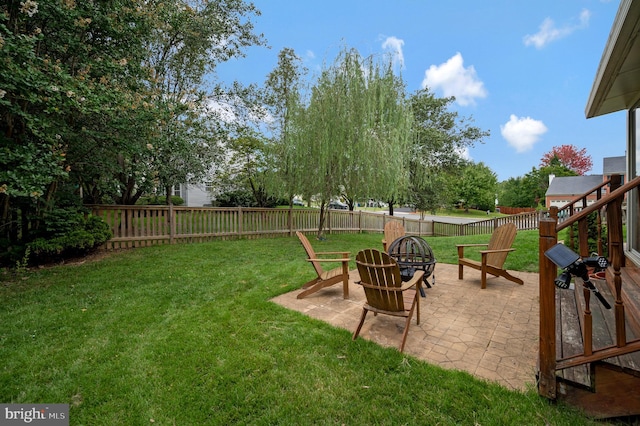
(138, 226)
(515, 210)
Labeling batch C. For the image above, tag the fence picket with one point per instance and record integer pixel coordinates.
(138, 226)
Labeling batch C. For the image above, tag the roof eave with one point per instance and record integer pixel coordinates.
(616, 86)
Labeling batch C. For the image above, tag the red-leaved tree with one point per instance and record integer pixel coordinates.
(569, 156)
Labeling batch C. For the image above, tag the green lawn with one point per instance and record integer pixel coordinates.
(186, 335)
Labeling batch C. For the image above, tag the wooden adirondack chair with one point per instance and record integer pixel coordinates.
(385, 291)
(492, 259)
(392, 231)
(325, 278)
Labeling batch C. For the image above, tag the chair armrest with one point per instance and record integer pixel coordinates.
(342, 259)
(415, 280)
(462, 246)
(497, 250)
(333, 252)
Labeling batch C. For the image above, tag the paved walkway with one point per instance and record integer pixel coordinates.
(491, 333)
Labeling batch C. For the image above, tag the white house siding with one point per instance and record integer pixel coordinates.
(195, 195)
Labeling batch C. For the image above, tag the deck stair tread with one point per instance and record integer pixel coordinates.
(571, 305)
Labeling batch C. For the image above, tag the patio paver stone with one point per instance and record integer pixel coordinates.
(491, 333)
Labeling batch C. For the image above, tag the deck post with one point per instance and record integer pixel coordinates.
(616, 259)
(547, 343)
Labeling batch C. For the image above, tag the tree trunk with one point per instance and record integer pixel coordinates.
(323, 217)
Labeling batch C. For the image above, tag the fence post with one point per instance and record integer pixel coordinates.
(172, 224)
(240, 221)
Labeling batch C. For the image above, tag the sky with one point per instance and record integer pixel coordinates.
(522, 70)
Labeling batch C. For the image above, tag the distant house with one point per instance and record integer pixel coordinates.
(615, 166)
(194, 195)
(563, 189)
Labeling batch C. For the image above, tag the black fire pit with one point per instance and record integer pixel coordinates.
(412, 254)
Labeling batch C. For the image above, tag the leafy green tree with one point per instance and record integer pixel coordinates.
(283, 97)
(106, 95)
(514, 192)
(247, 168)
(440, 136)
(190, 38)
(68, 68)
(437, 192)
(477, 187)
(530, 190)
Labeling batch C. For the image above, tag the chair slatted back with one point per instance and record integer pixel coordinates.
(392, 231)
(380, 278)
(502, 238)
(311, 254)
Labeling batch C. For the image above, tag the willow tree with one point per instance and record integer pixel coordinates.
(354, 133)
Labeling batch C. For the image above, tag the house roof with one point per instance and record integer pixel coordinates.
(573, 185)
(617, 83)
(614, 166)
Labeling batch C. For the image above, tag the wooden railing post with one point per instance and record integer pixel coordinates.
(587, 330)
(616, 259)
(547, 346)
(571, 236)
(583, 237)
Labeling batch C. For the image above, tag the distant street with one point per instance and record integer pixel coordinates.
(406, 212)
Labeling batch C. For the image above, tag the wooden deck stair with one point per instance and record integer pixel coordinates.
(584, 359)
(609, 387)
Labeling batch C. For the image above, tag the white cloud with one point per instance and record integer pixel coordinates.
(224, 111)
(522, 132)
(232, 109)
(464, 153)
(549, 32)
(393, 46)
(453, 79)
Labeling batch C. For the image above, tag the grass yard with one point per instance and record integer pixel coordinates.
(186, 335)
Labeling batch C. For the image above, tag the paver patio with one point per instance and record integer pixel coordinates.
(491, 333)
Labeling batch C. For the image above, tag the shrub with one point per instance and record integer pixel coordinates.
(239, 198)
(592, 235)
(78, 236)
(160, 200)
(246, 198)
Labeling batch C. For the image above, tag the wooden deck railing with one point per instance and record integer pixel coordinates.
(581, 203)
(549, 228)
(137, 226)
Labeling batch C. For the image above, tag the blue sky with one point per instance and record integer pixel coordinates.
(522, 70)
